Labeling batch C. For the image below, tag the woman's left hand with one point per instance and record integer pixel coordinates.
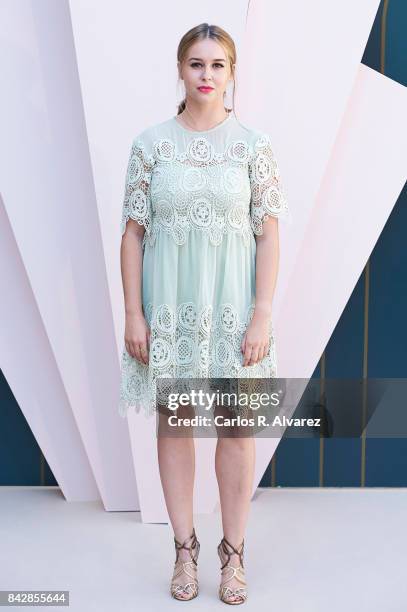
(255, 343)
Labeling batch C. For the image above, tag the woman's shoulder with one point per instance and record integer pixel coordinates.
(255, 136)
(152, 132)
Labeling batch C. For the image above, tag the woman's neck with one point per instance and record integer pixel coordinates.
(200, 119)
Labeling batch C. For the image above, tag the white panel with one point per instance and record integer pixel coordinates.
(29, 367)
(298, 67)
(296, 71)
(329, 119)
(48, 193)
(364, 177)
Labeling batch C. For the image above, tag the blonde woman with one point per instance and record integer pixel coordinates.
(199, 260)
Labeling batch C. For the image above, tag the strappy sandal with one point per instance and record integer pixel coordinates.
(227, 594)
(185, 592)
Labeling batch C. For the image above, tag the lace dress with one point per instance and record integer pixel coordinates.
(202, 196)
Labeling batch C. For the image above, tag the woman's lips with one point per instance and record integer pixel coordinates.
(205, 89)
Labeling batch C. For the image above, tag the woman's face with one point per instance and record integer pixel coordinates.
(206, 64)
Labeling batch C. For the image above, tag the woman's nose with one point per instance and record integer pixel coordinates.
(207, 73)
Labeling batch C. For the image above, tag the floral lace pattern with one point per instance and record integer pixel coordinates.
(187, 342)
(198, 195)
(268, 197)
(198, 188)
(136, 204)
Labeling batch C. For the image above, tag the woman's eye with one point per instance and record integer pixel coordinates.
(195, 64)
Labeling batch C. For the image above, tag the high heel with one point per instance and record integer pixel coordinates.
(227, 594)
(190, 589)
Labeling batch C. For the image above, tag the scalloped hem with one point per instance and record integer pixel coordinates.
(138, 406)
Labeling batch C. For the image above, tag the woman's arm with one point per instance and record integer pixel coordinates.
(137, 333)
(255, 343)
(267, 263)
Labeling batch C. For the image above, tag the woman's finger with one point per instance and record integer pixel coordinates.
(254, 356)
(143, 353)
(260, 354)
(243, 345)
(247, 354)
(130, 349)
(139, 353)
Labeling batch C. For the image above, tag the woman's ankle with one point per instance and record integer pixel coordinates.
(184, 535)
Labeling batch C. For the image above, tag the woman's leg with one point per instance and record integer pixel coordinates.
(234, 464)
(176, 459)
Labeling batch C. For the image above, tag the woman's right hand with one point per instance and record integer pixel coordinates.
(137, 337)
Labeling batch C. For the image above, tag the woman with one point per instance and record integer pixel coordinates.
(199, 259)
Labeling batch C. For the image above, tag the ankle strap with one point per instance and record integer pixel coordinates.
(193, 548)
(223, 546)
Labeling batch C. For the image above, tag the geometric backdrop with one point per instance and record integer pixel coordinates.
(306, 462)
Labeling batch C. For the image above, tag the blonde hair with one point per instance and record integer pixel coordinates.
(200, 32)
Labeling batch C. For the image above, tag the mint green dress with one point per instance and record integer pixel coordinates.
(202, 196)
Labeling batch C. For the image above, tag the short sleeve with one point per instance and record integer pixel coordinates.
(268, 198)
(137, 202)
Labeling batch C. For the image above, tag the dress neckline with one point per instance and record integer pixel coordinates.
(216, 127)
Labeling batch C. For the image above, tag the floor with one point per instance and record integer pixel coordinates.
(306, 550)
